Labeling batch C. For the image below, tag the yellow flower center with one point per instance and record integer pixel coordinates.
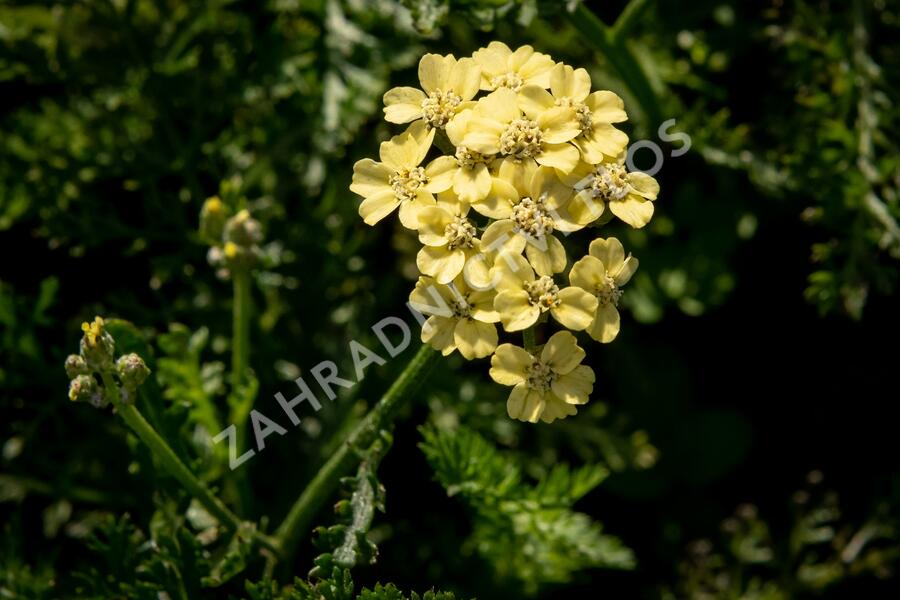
(521, 139)
(439, 107)
(543, 293)
(539, 376)
(512, 81)
(467, 159)
(531, 218)
(461, 307)
(608, 292)
(582, 112)
(460, 233)
(609, 182)
(406, 184)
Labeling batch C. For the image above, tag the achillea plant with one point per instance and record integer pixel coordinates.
(535, 158)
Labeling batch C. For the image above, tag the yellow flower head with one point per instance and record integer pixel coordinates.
(523, 298)
(629, 196)
(595, 112)
(460, 318)
(398, 180)
(503, 68)
(527, 216)
(448, 85)
(449, 238)
(472, 177)
(535, 157)
(500, 127)
(603, 273)
(547, 386)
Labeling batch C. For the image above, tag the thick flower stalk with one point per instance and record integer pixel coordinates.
(530, 155)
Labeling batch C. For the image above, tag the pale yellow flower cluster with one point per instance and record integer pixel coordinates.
(536, 157)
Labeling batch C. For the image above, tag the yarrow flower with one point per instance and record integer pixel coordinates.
(535, 158)
(546, 386)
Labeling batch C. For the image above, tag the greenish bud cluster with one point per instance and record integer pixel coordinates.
(95, 361)
(234, 239)
(132, 370)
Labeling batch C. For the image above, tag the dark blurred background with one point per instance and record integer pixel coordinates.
(745, 412)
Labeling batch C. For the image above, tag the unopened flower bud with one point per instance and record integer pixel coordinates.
(243, 230)
(239, 257)
(132, 370)
(97, 346)
(76, 366)
(82, 388)
(213, 216)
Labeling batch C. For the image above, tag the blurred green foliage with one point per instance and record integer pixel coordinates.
(119, 117)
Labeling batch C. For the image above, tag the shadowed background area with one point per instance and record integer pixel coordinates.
(742, 422)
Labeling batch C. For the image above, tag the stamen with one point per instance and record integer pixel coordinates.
(406, 183)
(439, 107)
(521, 139)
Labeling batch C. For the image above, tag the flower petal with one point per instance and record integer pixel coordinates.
(433, 221)
(566, 82)
(440, 174)
(439, 262)
(589, 273)
(606, 107)
(576, 308)
(403, 104)
(605, 327)
(555, 408)
(584, 209)
(409, 209)
(562, 353)
(633, 209)
(438, 333)
(481, 306)
(558, 124)
(546, 185)
(601, 141)
(534, 100)
(434, 72)
(370, 177)
(472, 185)
(475, 339)
(546, 254)
(524, 404)
(508, 364)
(500, 105)
(610, 251)
(624, 274)
(499, 202)
(500, 237)
(644, 185)
(375, 208)
(576, 386)
(563, 157)
(465, 78)
(515, 310)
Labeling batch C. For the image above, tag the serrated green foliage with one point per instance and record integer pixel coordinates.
(186, 379)
(130, 565)
(527, 531)
(823, 548)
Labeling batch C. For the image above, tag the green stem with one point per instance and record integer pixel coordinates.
(626, 65)
(240, 334)
(528, 338)
(241, 401)
(323, 485)
(173, 465)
